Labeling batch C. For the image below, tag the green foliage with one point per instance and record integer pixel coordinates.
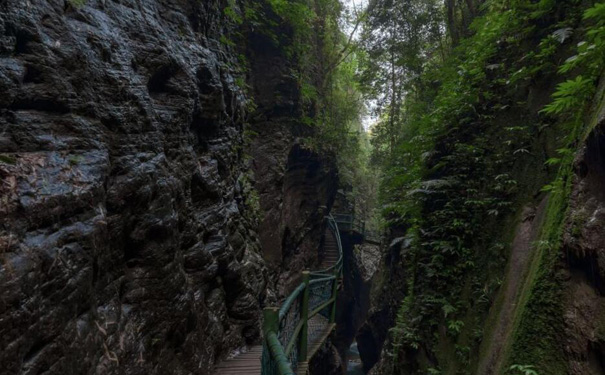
(591, 51)
(452, 133)
(226, 41)
(308, 92)
(325, 70)
(455, 326)
(396, 37)
(77, 3)
(539, 319)
(75, 159)
(7, 159)
(323, 65)
(231, 14)
(570, 95)
(296, 13)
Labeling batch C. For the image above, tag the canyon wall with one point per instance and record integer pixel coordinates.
(127, 243)
(516, 287)
(132, 229)
(546, 310)
(296, 186)
(584, 257)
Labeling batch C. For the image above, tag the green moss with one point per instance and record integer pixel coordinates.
(7, 159)
(77, 3)
(577, 222)
(497, 278)
(226, 41)
(539, 326)
(75, 159)
(232, 14)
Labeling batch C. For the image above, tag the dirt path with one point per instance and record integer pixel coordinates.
(526, 234)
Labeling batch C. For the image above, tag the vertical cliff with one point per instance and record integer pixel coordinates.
(584, 257)
(126, 241)
(494, 264)
(558, 324)
(296, 185)
(155, 193)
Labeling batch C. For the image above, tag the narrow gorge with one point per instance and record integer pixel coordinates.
(280, 187)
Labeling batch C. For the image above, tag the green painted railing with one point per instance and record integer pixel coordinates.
(286, 330)
(352, 223)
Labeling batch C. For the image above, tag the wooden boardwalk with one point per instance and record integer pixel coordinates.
(330, 253)
(249, 362)
(244, 363)
(319, 330)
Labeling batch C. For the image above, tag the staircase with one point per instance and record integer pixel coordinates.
(330, 253)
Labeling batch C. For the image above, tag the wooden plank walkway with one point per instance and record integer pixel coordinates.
(319, 330)
(245, 363)
(330, 253)
(249, 362)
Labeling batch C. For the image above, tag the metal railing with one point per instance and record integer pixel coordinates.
(351, 223)
(286, 330)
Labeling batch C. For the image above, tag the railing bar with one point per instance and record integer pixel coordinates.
(278, 354)
(288, 302)
(280, 357)
(316, 281)
(321, 307)
(292, 341)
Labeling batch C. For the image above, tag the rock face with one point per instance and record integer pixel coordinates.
(126, 243)
(296, 185)
(327, 361)
(373, 333)
(579, 266)
(584, 245)
(526, 234)
(360, 267)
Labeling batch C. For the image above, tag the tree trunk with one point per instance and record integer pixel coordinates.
(450, 6)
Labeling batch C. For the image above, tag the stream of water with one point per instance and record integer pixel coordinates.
(354, 365)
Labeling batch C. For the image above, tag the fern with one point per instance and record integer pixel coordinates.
(553, 161)
(455, 326)
(597, 12)
(590, 52)
(570, 95)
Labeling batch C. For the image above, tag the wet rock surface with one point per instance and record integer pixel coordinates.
(126, 244)
(296, 185)
(360, 267)
(584, 244)
(327, 361)
(389, 283)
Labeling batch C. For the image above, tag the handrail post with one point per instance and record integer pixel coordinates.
(334, 294)
(304, 316)
(270, 320)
